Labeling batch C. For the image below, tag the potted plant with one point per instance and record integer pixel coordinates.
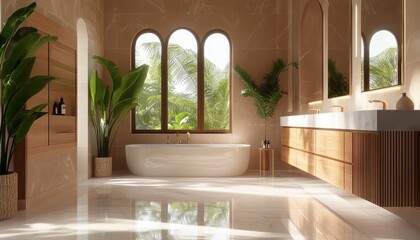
(337, 82)
(267, 94)
(110, 105)
(17, 48)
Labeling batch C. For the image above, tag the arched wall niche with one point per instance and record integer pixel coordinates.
(82, 99)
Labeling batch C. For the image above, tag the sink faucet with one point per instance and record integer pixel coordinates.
(178, 139)
(379, 101)
(188, 137)
(338, 106)
(314, 109)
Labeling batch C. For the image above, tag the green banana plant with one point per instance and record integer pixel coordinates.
(18, 46)
(110, 105)
(268, 94)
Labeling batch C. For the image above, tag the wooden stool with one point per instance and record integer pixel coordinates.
(263, 154)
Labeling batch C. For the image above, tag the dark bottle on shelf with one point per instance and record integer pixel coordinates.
(61, 107)
(55, 109)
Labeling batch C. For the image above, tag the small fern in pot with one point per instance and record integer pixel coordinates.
(267, 94)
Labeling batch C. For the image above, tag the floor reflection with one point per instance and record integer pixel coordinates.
(289, 206)
(181, 213)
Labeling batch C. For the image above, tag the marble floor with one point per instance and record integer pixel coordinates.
(291, 205)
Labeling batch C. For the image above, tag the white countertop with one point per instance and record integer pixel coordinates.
(370, 120)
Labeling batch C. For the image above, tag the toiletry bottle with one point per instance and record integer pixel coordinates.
(55, 109)
(61, 107)
(268, 143)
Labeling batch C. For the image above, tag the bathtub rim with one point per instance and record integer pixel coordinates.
(214, 145)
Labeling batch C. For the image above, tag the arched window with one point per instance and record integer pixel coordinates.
(182, 81)
(148, 50)
(188, 86)
(216, 82)
(383, 60)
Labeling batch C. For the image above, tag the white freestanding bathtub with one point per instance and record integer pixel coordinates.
(187, 160)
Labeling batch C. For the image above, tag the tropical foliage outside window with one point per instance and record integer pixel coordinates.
(148, 50)
(383, 61)
(216, 83)
(180, 213)
(177, 106)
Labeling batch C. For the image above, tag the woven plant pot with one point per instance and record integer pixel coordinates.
(103, 167)
(8, 195)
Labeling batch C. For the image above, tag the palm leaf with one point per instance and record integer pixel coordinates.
(26, 47)
(28, 121)
(25, 92)
(13, 23)
(267, 94)
(112, 70)
(17, 78)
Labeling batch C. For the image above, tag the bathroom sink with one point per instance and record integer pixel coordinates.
(369, 120)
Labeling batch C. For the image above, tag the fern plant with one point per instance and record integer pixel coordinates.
(338, 85)
(267, 94)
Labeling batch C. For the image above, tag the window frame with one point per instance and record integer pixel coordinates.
(366, 61)
(200, 83)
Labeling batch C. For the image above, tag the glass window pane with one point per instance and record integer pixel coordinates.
(148, 50)
(216, 82)
(383, 60)
(182, 81)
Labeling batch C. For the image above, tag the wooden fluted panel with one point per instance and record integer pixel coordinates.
(400, 168)
(386, 167)
(366, 165)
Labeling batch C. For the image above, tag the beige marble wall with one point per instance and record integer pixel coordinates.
(381, 14)
(259, 31)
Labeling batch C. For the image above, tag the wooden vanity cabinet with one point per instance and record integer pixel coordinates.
(325, 154)
(382, 167)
